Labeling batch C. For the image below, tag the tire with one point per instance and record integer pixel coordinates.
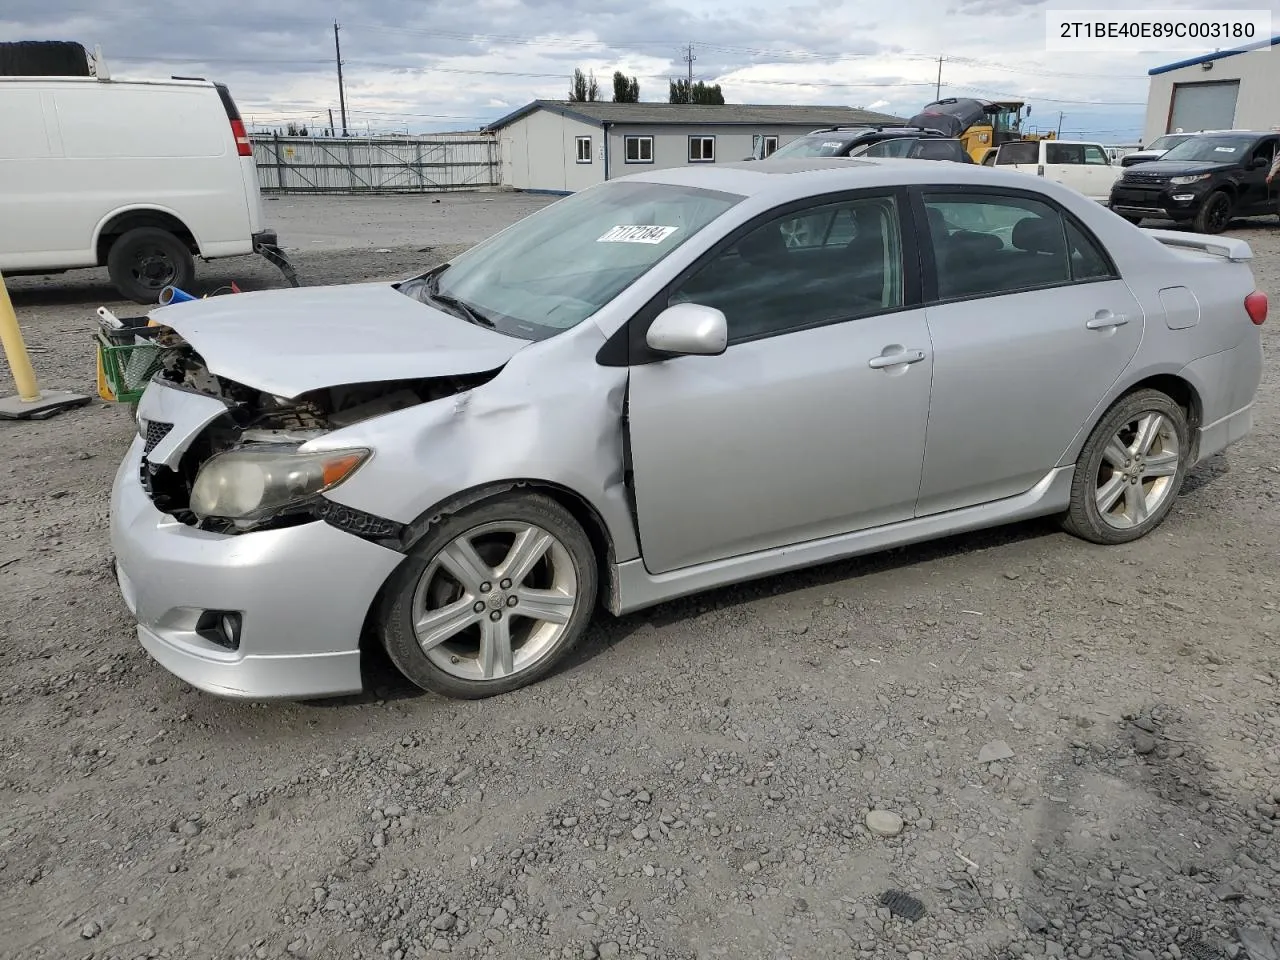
(1100, 474)
(145, 260)
(1214, 215)
(455, 665)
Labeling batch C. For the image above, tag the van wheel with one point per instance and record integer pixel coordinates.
(144, 261)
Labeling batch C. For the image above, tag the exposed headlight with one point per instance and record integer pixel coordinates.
(252, 484)
(1192, 179)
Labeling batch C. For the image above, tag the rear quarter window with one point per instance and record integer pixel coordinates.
(118, 121)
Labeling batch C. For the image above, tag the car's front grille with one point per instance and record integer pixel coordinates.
(157, 430)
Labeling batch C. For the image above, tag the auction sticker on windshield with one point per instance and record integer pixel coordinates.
(635, 233)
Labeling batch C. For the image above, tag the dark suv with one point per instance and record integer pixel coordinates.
(843, 141)
(1206, 181)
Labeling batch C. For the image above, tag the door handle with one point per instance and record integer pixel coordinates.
(1105, 319)
(895, 359)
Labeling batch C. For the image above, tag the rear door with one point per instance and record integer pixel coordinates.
(1031, 325)
(1098, 172)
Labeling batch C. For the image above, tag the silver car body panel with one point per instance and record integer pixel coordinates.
(775, 455)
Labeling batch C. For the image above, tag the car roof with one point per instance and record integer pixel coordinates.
(780, 179)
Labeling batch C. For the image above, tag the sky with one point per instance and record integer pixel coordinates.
(425, 66)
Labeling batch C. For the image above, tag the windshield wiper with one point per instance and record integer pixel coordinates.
(464, 308)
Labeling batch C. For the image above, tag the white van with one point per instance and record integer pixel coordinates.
(138, 176)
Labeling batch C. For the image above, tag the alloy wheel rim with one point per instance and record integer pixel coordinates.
(1137, 471)
(1218, 214)
(495, 601)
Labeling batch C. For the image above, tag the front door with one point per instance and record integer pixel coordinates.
(1257, 195)
(1031, 328)
(812, 423)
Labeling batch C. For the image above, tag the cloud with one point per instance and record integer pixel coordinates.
(415, 66)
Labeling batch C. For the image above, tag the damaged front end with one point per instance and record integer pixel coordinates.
(236, 462)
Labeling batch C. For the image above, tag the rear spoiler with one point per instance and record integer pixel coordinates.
(1237, 251)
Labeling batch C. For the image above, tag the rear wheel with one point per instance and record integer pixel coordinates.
(492, 599)
(144, 261)
(1130, 469)
(1214, 214)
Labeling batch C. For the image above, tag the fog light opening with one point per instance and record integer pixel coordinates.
(221, 627)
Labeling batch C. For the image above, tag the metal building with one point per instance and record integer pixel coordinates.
(560, 146)
(1224, 90)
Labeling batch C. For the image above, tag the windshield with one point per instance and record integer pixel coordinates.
(819, 146)
(1211, 149)
(553, 269)
(1165, 143)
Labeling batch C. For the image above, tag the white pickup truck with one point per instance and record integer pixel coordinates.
(1085, 167)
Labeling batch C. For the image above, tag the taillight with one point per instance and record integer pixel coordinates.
(243, 146)
(1255, 304)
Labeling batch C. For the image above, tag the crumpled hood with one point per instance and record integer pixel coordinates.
(289, 342)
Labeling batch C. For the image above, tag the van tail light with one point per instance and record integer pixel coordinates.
(1255, 304)
(243, 146)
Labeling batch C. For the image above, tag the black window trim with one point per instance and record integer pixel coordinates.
(627, 346)
(700, 136)
(928, 263)
(579, 141)
(638, 137)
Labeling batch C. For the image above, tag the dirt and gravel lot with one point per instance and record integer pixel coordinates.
(697, 783)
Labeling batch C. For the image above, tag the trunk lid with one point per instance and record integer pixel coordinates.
(290, 342)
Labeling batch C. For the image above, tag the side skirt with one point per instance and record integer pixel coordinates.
(637, 588)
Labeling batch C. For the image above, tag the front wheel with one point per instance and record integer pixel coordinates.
(492, 599)
(1130, 469)
(1214, 215)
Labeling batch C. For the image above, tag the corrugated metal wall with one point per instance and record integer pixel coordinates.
(376, 164)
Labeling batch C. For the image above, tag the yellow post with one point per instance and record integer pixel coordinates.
(15, 350)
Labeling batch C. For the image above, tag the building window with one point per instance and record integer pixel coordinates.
(639, 149)
(584, 149)
(702, 149)
(770, 145)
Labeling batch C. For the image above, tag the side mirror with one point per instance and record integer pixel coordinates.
(689, 328)
(1259, 162)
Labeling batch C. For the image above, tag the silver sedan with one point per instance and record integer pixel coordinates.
(665, 383)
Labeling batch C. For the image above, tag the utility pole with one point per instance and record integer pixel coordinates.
(342, 96)
(937, 90)
(1059, 133)
(331, 121)
(689, 58)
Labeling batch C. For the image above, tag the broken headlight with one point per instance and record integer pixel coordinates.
(249, 485)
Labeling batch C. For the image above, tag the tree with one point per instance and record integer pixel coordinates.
(678, 91)
(625, 89)
(584, 87)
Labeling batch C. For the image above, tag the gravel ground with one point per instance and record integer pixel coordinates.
(1055, 749)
